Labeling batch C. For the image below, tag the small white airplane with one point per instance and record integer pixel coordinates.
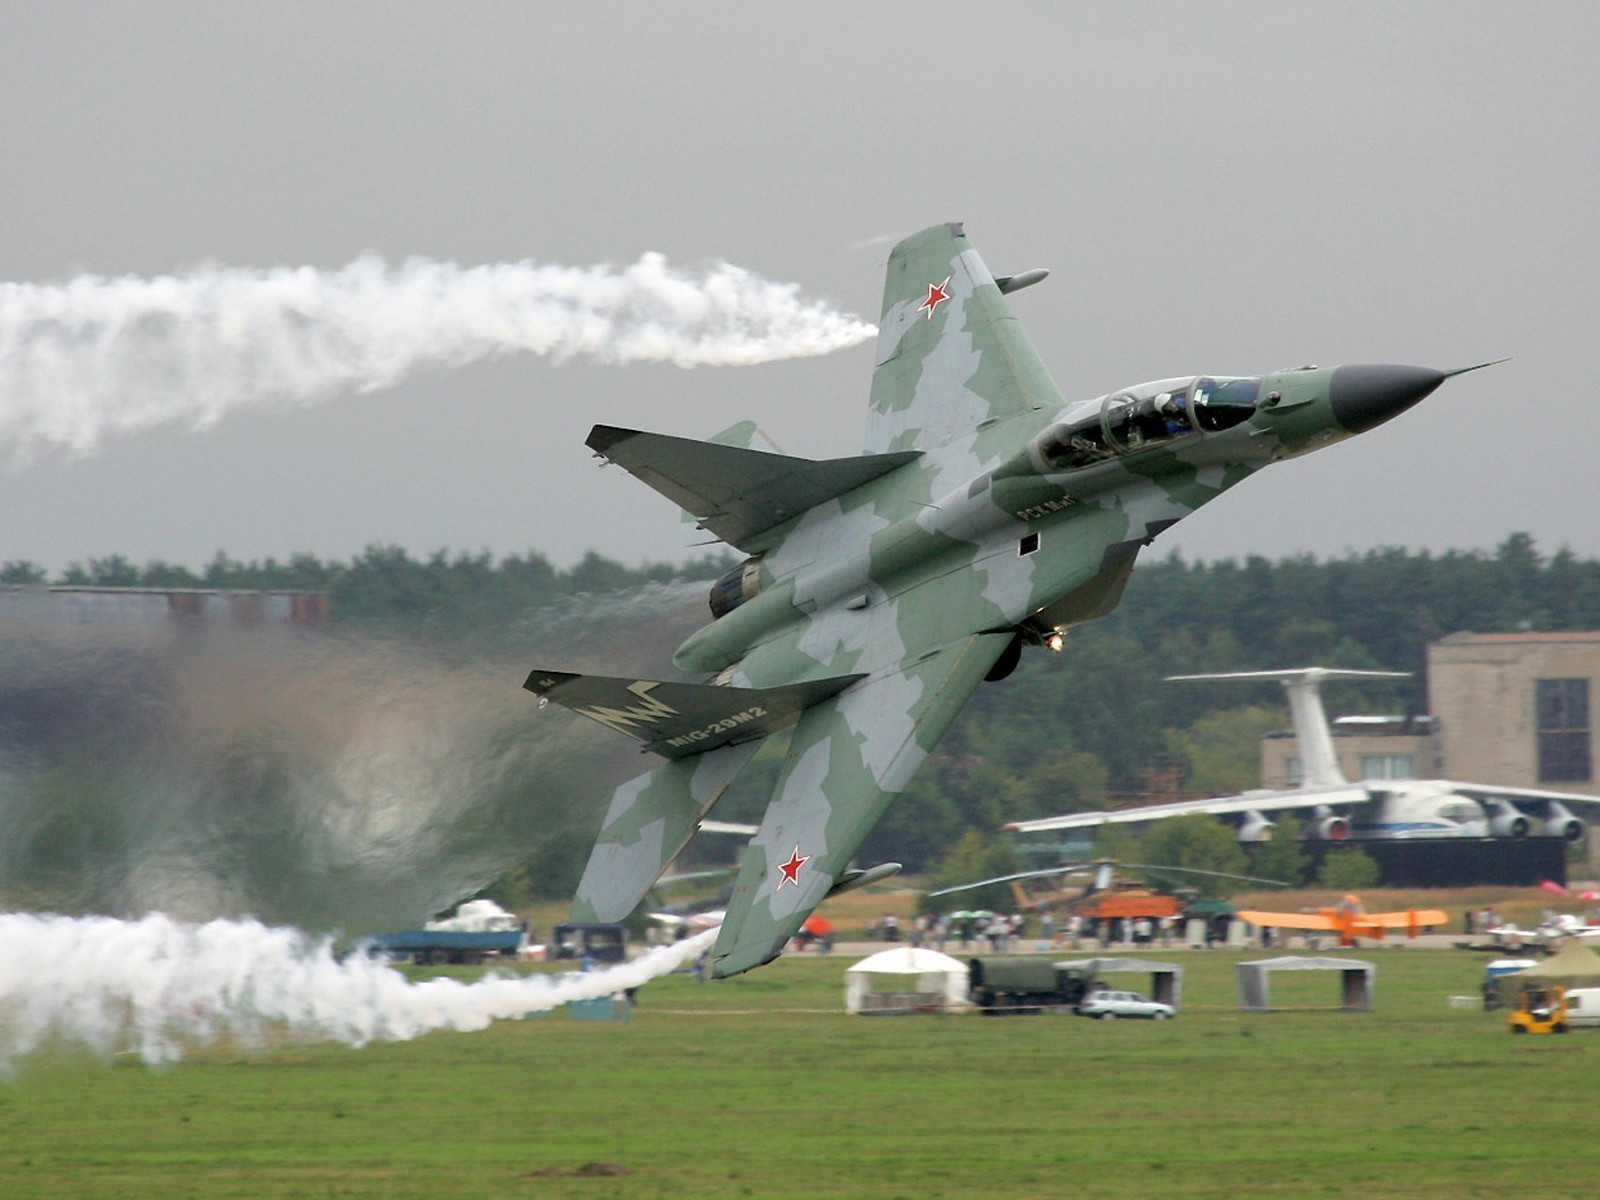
(1551, 932)
(1339, 809)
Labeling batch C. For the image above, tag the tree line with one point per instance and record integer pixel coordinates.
(456, 591)
(1068, 731)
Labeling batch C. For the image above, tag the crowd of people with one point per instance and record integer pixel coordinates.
(1001, 932)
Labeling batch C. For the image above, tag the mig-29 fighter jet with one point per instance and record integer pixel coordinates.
(984, 515)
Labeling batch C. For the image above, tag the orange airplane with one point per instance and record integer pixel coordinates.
(1351, 921)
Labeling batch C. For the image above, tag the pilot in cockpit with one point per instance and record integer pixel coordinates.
(1171, 409)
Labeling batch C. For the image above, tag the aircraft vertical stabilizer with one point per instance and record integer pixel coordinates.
(943, 315)
(1319, 765)
(651, 819)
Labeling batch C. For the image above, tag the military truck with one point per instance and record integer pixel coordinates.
(1019, 983)
(479, 929)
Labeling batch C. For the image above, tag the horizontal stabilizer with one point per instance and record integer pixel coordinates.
(676, 720)
(849, 881)
(1295, 675)
(735, 493)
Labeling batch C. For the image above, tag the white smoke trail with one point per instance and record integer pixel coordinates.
(96, 356)
(156, 986)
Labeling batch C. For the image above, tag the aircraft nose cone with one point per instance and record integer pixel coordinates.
(1368, 394)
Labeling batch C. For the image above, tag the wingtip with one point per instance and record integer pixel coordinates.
(542, 682)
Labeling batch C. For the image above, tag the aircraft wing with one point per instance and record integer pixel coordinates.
(1489, 791)
(849, 756)
(736, 493)
(1409, 919)
(1263, 801)
(1279, 920)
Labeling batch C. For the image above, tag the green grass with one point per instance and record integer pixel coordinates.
(696, 1098)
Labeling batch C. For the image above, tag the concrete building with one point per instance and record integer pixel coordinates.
(1384, 747)
(1506, 708)
(1515, 708)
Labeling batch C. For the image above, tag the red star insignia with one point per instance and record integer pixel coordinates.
(936, 296)
(789, 872)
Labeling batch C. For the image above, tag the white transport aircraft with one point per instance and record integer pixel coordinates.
(1339, 809)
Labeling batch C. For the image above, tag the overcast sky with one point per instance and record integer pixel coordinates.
(1224, 189)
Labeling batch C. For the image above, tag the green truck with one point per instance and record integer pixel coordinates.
(1018, 983)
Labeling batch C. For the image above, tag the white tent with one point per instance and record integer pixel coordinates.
(905, 979)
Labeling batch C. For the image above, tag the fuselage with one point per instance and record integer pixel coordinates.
(1028, 523)
(1427, 808)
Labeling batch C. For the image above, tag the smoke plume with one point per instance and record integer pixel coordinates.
(324, 779)
(93, 357)
(155, 987)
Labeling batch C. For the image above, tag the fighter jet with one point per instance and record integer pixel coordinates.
(985, 515)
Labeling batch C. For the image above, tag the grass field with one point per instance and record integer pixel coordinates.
(736, 1089)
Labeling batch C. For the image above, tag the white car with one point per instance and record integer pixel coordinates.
(1110, 1005)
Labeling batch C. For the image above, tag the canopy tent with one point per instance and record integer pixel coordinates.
(1166, 979)
(1355, 979)
(1574, 965)
(905, 979)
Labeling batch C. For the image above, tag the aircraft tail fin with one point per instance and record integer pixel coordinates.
(736, 492)
(678, 720)
(950, 353)
(746, 435)
(650, 820)
(1319, 762)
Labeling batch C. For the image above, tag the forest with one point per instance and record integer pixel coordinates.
(1068, 731)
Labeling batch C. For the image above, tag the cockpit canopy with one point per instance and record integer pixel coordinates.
(1217, 404)
(1130, 421)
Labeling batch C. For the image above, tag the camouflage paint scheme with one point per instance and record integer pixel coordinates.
(1020, 516)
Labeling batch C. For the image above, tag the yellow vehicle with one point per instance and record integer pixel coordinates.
(1541, 1008)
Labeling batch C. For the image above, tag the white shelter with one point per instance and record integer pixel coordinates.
(1355, 979)
(905, 979)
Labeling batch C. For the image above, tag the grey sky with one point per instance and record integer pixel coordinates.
(1216, 188)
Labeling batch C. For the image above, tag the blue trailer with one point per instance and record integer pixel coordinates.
(438, 946)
